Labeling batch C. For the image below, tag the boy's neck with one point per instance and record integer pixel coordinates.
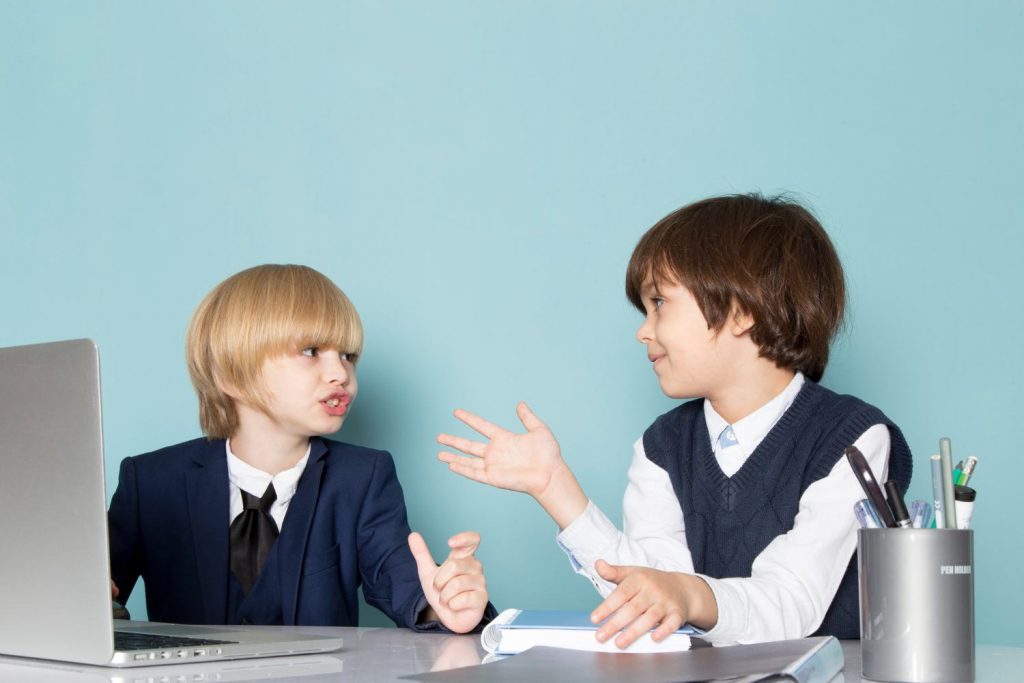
(753, 388)
(262, 444)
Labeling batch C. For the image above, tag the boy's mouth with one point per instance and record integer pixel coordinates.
(336, 404)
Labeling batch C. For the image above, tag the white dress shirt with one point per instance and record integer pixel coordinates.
(244, 477)
(792, 581)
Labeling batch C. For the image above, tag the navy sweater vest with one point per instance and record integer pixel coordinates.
(730, 520)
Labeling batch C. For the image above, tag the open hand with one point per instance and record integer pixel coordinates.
(456, 591)
(519, 462)
(647, 599)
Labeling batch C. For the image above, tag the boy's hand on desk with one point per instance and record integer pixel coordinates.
(456, 591)
(647, 599)
(531, 463)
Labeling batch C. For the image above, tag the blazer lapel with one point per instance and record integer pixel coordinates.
(208, 509)
(292, 542)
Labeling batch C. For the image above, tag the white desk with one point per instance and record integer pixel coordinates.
(383, 654)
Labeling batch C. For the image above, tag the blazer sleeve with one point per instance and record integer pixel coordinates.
(386, 565)
(124, 531)
(391, 582)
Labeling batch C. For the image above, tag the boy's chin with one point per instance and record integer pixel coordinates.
(329, 428)
(676, 391)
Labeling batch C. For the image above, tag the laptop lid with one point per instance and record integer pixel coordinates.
(55, 600)
(55, 593)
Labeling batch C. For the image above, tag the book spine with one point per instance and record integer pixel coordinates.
(820, 665)
(490, 639)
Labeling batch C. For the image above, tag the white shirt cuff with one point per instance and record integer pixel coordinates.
(732, 618)
(586, 540)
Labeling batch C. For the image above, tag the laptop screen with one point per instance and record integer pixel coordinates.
(55, 596)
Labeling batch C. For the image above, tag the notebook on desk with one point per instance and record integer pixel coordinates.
(55, 600)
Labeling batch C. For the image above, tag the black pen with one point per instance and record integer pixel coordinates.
(896, 504)
(867, 482)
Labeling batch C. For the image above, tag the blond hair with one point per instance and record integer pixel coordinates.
(258, 313)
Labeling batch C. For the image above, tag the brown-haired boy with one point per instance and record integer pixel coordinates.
(738, 515)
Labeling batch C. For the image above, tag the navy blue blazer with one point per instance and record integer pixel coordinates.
(345, 527)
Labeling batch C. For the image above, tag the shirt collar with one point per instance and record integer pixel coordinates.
(254, 481)
(753, 428)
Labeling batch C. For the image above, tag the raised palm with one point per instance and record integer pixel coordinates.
(518, 462)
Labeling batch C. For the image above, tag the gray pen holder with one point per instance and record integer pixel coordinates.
(917, 604)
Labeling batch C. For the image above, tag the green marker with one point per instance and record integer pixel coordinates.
(968, 470)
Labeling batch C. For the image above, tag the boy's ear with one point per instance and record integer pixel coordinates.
(740, 321)
(227, 387)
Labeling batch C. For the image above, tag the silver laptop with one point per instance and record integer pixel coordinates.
(318, 667)
(55, 584)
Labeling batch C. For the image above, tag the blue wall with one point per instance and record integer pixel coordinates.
(475, 175)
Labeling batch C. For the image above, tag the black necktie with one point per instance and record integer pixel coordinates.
(252, 534)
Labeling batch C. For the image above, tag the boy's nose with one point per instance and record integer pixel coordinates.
(644, 333)
(335, 370)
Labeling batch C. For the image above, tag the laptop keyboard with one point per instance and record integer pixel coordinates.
(126, 640)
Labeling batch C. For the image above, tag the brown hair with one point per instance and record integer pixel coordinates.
(255, 314)
(768, 257)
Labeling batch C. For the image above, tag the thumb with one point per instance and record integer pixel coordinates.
(528, 418)
(463, 544)
(425, 564)
(611, 572)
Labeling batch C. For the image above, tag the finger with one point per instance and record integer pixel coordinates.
(452, 568)
(619, 597)
(620, 619)
(478, 423)
(465, 445)
(463, 544)
(113, 589)
(612, 572)
(461, 584)
(474, 599)
(464, 460)
(425, 564)
(669, 624)
(468, 470)
(640, 626)
(528, 417)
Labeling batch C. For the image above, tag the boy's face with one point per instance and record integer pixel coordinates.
(310, 391)
(690, 359)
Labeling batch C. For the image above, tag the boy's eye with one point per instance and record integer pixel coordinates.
(311, 351)
(349, 357)
(656, 302)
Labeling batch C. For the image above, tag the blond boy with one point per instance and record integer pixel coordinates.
(264, 520)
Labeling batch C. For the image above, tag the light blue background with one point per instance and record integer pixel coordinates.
(475, 175)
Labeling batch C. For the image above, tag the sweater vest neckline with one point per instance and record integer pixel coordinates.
(729, 488)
